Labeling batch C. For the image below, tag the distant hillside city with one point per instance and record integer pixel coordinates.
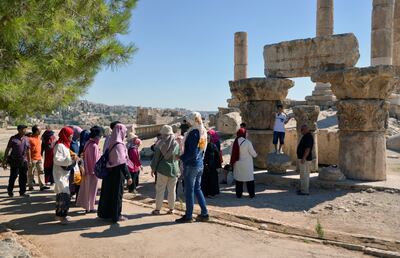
(86, 113)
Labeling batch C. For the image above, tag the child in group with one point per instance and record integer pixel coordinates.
(281, 118)
(134, 156)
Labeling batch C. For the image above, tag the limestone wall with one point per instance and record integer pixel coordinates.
(148, 131)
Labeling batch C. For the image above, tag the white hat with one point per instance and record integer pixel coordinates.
(166, 130)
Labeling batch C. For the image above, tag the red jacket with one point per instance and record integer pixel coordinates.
(134, 156)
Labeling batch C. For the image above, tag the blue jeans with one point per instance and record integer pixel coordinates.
(192, 177)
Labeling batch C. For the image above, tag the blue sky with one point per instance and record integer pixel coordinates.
(185, 56)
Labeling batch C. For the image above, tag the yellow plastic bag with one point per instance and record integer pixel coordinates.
(77, 177)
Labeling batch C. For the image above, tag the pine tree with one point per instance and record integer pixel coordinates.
(50, 50)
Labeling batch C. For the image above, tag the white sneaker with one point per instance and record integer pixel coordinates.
(65, 221)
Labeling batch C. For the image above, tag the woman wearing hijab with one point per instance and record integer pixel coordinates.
(212, 161)
(112, 187)
(74, 147)
(48, 142)
(107, 136)
(107, 133)
(88, 190)
(214, 138)
(83, 139)
(166, 164)
(242, 163)
(75, 138)
(195, 143)
(134, 156)
(62, 163)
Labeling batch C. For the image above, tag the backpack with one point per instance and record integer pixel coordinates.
(100, 169)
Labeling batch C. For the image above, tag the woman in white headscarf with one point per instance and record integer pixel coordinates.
(195, 144)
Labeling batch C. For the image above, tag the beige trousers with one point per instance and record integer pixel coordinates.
(36, 167)
(304, 176)
(162, 183)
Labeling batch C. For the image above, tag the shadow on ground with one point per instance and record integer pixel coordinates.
(282, 199)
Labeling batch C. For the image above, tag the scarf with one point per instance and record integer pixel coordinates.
(63, 136)
(236, 147)
(167, 145)
(83, 139)
(119, 153)
(77, 132)
(196, 123)
(214, 137)
(47, 135)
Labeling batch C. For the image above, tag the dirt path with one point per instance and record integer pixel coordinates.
(142, 235)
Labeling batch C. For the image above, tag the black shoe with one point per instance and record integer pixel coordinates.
(44, 188)
(184, 220)
(24, 195)
(10, 194)
(301, 193)
(202, 218)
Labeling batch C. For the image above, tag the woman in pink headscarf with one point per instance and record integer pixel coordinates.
(88, 190)
(112, 187)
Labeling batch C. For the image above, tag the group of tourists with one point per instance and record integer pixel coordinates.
(194, 158)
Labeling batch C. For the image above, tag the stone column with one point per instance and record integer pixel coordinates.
(322, 94)
(324, 17)
(396, 34)
(394, 100)
(362, 116)
(240, 56)
(258, 98)
(240, 59)
(306, 114)
(382, 32)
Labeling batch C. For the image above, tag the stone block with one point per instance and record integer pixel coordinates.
(331, 174)
(363, 115)
(278, 163)
(394, 99)
(306, 115)
(328, 147)
(303, 57)
(259, 115)
(320, 98)
(256, 89)
(375, 82)
(362, 155)
(394, 111)
(393, 142)
(229, 123)
(262, 143)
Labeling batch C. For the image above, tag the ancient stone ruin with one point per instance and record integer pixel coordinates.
(360, 94)
(363, 114)
(258, 98)
(156, 116)
(322, 94)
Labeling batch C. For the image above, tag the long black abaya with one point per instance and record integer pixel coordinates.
(209, 179)
(112, 190)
